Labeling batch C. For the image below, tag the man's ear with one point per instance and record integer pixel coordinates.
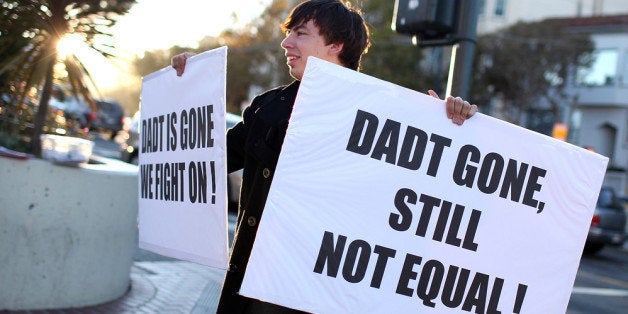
(336, 48)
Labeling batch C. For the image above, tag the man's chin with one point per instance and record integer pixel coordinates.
(297, 75)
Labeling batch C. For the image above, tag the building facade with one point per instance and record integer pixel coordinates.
(497, 14)
(599, 118)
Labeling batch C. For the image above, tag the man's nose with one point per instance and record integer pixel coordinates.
(287, 42)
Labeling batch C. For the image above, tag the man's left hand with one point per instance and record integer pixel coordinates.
(458, 110)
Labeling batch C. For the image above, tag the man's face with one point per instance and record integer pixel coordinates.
(303, 41)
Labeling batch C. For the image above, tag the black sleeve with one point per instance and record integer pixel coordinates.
(236, 138)
(237, 135)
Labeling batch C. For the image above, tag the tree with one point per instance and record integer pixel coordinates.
(256, 61)
(29, 33)
(392, 57)
(528, 66)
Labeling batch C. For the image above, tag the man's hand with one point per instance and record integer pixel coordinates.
(458, 110)
(178, 62)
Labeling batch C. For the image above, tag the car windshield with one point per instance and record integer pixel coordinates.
(232, 119)
(607, 199)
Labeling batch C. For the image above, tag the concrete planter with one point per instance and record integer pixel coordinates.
(67, 235)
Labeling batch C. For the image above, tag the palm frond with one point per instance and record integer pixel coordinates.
(29, 32)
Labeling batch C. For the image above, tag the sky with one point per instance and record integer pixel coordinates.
(160, 24)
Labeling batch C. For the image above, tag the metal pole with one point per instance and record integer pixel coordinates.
(462, 53)
(452, 66)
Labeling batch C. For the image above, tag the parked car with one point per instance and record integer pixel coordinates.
(234, 179)
(21, 117)
(608, 223)
(109, 117)
(130, 154)
(75, 109)
(130, 147)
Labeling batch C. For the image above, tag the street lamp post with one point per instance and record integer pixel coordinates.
(443, 23)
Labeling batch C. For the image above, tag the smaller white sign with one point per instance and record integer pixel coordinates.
(182, 177)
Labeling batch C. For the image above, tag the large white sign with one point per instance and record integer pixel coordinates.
(380, 204)
(182, 181)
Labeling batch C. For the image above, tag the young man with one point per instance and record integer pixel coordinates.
(326, 29)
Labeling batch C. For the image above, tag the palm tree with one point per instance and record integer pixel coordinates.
(29, 33)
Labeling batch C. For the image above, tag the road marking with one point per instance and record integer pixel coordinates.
(608, 280)
(600, 291)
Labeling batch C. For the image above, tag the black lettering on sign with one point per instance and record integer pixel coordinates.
(491, 172)
(330, 254)
(450, 282)
(534, 186)
(196, 128)
(408, 274)
(454, 288)
(383, 255)
(356, 259)
(433, 282)
(144, 136)
(162, 181)
(183, 130)
(440, 142)
(414, 143)
(146, 181)
(362, 133)
(158, 181)
(478, 294)
(445, 224)
(197, 177)
(171, 132)
(413, 148)
(169, 181)
(430, 281)
(402, 220)
(152, 134)
(521, 294)
(387, 142)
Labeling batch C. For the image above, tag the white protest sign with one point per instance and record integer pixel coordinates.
(182, 180)
(380, 204)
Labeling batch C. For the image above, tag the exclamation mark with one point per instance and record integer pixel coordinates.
(521, 294)
(213, 169)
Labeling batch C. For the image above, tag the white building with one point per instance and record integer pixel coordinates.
(496, 14)
(600, 117)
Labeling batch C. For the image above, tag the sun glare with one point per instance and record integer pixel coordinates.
(69, 44)
(101, 70)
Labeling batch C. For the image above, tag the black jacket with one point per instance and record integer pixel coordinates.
(254, 144)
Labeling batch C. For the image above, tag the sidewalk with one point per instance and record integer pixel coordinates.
(160, 287)
(165, 287)
(161, 284)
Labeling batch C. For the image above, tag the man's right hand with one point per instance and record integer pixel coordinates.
(178, 62)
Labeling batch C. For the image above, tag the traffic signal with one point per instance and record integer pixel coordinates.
(429, 20)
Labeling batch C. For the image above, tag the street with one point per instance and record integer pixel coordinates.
(601, 285)
(107, 148)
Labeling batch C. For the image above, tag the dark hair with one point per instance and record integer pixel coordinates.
(339, 23)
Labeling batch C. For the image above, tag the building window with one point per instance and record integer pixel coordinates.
(500, 7)
(603, 70)
(481, 7)
(624, 71)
